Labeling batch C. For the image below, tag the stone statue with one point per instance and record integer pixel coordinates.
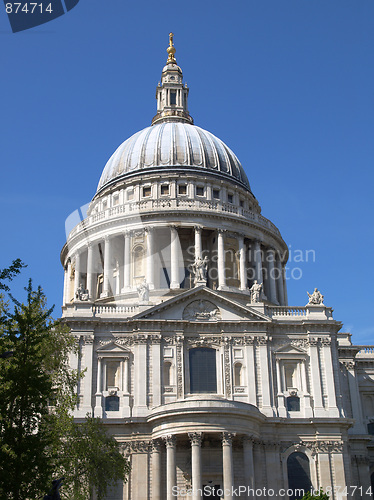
(81, 293)
(255, 290)
(143, 291)
(53, 492)
(316, 297)
(200, 269)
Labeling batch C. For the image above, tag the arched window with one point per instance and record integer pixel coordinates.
(138, 260)
(298, 472)
(167, 373)
(238, 374)
(203, 372)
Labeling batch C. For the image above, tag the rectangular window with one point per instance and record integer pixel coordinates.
(115, 200)
(147, 191)
(216, 194)
(130, 194)
(241, 203)
(203, 376)
(230, 198)
(164, 189)
(199, 191)
(173, 98)
(182, 189)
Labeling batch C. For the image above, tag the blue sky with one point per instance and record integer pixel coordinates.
(287, 84)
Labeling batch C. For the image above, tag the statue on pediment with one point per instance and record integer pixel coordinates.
(82, 293)
(255, 291)
(143, 291)
(200, 270)
(315, 298)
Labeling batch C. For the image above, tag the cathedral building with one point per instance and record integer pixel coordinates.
(175, 292)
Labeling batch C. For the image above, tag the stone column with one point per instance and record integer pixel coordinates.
(228, 466)
(64, 299)
(355, 398)
(198, 246)
(270, 257)
(265, 377)
(107, 267)
(196, 438)
(68, 283)
(307, 408)
(171, 469)
(98, 412)
(126, 262)
(280, 284)
(140, 378)
(319, 410)
(86, 406)
(90, 274)
(77, 274)
(280, 394)
(126, 375)
(221, 261)
(330, 380)
(324, 469)
(150, 258)
(174, 281)
(249, 472)
(242, 268)
(156, 470)
(257, 261)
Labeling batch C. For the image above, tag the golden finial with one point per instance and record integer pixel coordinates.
(171, 50)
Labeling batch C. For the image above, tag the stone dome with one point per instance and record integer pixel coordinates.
(169, 146)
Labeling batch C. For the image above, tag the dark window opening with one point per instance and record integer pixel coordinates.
(211, 492)
(199, 191)
(371, 428)
(203, 377)
(173, 98)
(147, 191)
(216, 194)
(182, 189)
(112, 403)
(298, 474)
(293, 403)
(230, 198)
(165, 189)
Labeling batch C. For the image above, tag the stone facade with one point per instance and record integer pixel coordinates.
(203, 379)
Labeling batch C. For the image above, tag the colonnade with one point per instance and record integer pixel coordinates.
(195, 439)
(254, 261)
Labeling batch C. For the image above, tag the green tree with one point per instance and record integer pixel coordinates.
(9, 273)
(38, 436)
(90, 461)
(316, 496)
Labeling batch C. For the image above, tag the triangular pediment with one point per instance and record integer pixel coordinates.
(290, 350)
(112, 348)
(202, 304)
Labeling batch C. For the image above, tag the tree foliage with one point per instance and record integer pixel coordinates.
(39, 439)
(320, 495)
(9, 273)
